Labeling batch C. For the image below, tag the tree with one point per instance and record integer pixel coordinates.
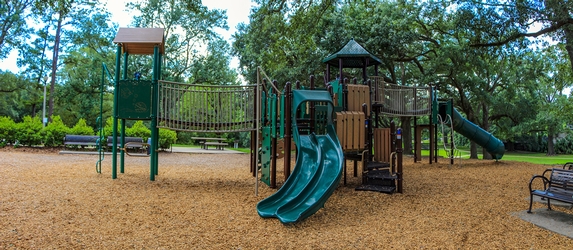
(15, 92)
(553, 104)
(90, 46)
(526, 19)
(13, 29)
(188, 27)
(63, 12)
(282, 39)
(213, 67)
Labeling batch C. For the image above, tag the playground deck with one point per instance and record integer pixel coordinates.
(207, 202)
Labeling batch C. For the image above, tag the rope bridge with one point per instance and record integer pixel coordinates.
(398, 100)
(206, 108)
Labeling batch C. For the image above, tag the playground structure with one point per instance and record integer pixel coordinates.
(358, 108)
(171, 105)
(275, 118)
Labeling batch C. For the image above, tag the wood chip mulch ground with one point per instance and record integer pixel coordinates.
(207, 201)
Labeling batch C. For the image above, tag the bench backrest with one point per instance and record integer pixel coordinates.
(81, 138)
(127, 139)
(561, 182)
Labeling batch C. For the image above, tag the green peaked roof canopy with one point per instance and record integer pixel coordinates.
(353, 55)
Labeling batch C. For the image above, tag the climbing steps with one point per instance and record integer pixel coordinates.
(377, 177)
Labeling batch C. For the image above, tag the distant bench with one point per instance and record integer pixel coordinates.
(218, 145)
(130, 142)
(81, 140)
(559, 186)
(211, 141)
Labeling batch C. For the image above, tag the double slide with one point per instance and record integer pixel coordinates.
(317, 172)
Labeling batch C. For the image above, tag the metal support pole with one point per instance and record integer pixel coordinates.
(154, 101)
(115, 113)
(44, 106)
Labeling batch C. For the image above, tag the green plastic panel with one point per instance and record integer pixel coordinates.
(134, 101)
(266, 156)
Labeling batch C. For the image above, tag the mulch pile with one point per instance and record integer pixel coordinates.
(207, 201)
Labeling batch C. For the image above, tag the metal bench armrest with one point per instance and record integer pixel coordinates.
(545, 182)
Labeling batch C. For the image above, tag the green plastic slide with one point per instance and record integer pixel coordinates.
(483, 138)
(317, 172)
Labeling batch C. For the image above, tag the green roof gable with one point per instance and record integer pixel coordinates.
(353, 56)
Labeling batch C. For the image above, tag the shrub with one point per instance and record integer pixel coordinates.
(82, 128)
(564, 145)
(184, 137)
(166, 138)
(28, 131)
(7, 131)
(54, 132)
(138, 130)
(107, 129)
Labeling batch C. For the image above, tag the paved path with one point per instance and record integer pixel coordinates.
(204, 151)
(551, 220)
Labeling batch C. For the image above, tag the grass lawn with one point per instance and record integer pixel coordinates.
(537, 158)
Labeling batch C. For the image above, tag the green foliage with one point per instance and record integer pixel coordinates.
(54, 132)
(7, 131)
(564, 145)
(81, 128)
(28, 132)
(184, 137)
(138, 130)
(188, 25)
(166, 138)
(108, 127)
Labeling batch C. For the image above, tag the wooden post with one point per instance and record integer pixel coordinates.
(452, 132)
(254, 137)
(399, 171)
(312, 120)
(288, 129)
(417, 143)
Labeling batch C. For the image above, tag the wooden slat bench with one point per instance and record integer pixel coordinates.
(80, 140)
(211, 141)
(218, 145)
(130, 142)
(559, 186)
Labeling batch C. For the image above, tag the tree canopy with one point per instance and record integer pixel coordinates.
(505, 64)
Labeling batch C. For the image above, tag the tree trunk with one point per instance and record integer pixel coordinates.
(55, 65)
(485, 126)
(473, 150)
(407, 135)
(550, 146)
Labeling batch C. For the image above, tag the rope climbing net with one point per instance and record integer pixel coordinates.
(207, 108)
(447, 126)
(398, 100)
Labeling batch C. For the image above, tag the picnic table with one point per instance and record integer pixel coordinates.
(211, 141)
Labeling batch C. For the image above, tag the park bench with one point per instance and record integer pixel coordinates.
(210, 141)
(130, 143)
(218, 145)
(80, 140)
(559, 186)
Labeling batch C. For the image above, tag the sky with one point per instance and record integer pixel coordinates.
(237, 12)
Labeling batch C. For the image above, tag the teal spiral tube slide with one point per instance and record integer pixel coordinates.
(483, 138)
